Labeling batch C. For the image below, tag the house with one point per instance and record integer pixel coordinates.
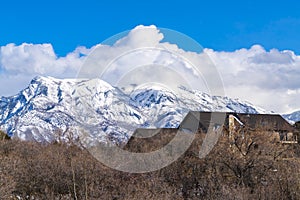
(275, 123)
(213, 124)
(232, 121)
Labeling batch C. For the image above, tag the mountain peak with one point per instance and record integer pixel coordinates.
(43, 79)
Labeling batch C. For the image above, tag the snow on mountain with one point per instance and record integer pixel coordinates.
(50, 109)
(293, 117)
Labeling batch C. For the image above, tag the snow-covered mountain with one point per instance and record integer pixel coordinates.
(293, 117)
(50, 109)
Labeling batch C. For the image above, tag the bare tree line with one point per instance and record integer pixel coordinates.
(252, 165)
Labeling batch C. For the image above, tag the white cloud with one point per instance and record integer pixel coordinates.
(141, 36)
(38, 59)
(270, 79)
(19, 64)
(267, 78)
(142, 47)
(273, 57)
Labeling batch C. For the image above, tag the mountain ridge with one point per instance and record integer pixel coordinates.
(292, 117)
(103, 112)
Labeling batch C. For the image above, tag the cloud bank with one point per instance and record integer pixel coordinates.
(270, 79)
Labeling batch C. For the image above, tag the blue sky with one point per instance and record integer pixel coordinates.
(220, 25)
(255, 45)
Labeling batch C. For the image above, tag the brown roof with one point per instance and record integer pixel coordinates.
(273, 122)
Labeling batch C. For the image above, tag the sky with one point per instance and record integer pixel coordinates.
(258, 41)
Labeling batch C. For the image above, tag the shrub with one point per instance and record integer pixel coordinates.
(3, 135)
